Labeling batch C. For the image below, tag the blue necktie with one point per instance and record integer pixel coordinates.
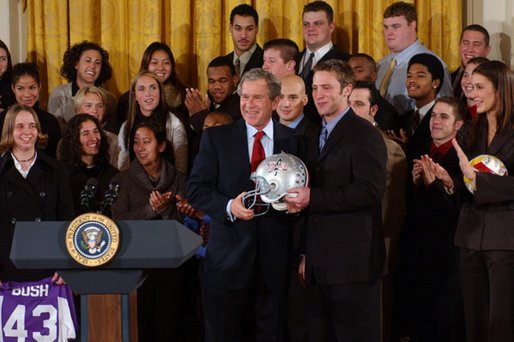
(323, 138)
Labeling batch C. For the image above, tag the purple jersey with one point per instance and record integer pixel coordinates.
(36, 311)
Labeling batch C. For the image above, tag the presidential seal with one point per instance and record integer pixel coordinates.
(92, 239)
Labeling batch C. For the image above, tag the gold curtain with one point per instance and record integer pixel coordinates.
(197, 31)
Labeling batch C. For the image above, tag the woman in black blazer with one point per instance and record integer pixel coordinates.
(485, 231)
(33, 186)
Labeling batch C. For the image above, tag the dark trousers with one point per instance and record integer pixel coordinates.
(251, 314)
(426, 313)
(488, 293)
(344, 312)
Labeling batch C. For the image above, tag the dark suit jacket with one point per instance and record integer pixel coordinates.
(344, 236)
(307, 128)
(256, 60)
(421, 139)
(387, 116)
(45, 195)
(310, 108)
(221, 171)
(486, 218)
(427, 251)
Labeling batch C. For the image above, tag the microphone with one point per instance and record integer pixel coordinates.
(87, 195)
(110, 196)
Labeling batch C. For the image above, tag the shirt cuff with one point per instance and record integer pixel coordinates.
(229, 213)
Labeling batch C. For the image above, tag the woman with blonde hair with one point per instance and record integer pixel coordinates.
(33, 185)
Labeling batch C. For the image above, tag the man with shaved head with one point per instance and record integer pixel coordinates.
(293, 98)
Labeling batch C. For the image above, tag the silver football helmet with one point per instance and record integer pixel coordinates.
(273, 178)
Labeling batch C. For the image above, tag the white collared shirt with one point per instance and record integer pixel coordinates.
(18, 167)
(424, 110)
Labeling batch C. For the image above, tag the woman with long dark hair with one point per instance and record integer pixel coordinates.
(33, 186)
(84, 64)
(84, 150)
(94, 101)
(6, 94)
(485, 231)
(147, 192)
(147, 104)
(159, 59)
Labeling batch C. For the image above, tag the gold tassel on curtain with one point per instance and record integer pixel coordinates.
(198, 30)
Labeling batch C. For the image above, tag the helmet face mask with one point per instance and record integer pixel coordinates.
(273, 178)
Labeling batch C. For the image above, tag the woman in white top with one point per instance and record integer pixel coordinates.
(146, 103)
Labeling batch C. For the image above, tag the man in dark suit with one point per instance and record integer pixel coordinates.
(222, 95)
(425, 75)
(318, 25)
(246, 270)
(344, 254)
(244, 26)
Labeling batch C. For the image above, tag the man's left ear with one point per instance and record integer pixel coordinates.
(458, 124)
(291, 65)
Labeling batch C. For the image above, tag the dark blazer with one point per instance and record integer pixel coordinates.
(45, 195)
(310, 108)
(221, 171)
(387, 116)
(344, 237)
(421, 139)
(307, 128)
(486, 218)
(427, 251)
(256, 60)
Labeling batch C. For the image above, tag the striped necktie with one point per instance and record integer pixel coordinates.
(387, 77)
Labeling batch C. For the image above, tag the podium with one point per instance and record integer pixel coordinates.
(143, 245)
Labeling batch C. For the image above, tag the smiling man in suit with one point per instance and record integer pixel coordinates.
(318, 25)
(245, 276)
(344, 254)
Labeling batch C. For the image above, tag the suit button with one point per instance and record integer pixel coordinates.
(9, 194)
(37, 219)
(42, 194)
(13, 220)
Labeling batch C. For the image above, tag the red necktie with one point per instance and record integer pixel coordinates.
(258, 154)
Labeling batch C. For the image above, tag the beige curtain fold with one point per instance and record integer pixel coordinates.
(198, 30)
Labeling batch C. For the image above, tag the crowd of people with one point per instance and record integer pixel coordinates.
(385, 243)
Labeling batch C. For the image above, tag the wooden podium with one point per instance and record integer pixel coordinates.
(143, 245)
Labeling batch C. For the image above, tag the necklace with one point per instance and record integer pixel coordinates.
(25, 160)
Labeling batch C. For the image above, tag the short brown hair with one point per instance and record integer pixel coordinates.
(458, 107)
(317, 6)
(402, 8)
(340, 69)
(287, 48)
